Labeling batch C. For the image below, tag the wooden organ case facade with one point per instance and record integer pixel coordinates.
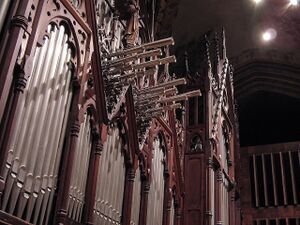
(209, 186)
(88, 128)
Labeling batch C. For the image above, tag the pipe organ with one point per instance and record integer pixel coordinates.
(111, 180)
(80, 171)
(35, 147)
(156, 196)
(65, 158)
(135, 209)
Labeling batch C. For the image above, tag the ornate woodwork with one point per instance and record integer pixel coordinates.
(210, 133)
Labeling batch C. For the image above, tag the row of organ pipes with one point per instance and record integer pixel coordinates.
(81, 165)
(35, 147)
(172, 212)
(135, 209)
(156, 193)
(111, 180)
(138, 66)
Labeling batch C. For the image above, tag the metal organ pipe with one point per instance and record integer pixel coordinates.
(111, 180)
(156, 192)
(98, 217)
(36, 145)
(78, 183)
(135, 210)
(172, 212)
(4, 5)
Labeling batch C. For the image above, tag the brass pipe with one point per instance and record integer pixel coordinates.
(181, 97)
(163, 85)
(122, 61)
(153, 63)
(139, 49)
(159, 92)
(164, 108)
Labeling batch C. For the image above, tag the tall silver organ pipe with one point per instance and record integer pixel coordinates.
(172, 212)
(111, 181)
(135, 209)
(156, 192)
(4, 5)
(224, 202)
(35, 147)
(80, 171)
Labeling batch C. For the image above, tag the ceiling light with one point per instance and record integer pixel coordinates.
(294, 2)
(269, 35)
(257, 1)
(266, 36)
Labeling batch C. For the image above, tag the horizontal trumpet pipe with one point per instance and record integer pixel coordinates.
(181, 97)
(139, 73)
(160, 43)
(119, 77)
(159, 93)
(152, 63)
(164, 108)
(139, 49)
(122, 61)
(163, 85)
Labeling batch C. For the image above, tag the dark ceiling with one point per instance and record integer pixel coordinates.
(267, 118)
(243, 21)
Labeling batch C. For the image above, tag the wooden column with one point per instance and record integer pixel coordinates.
(92, 176)
(5, 134)
(19, 26)
(219, 198)
(127, 201)
(144, 203)
(68, 159)
(209, 190)
(178, 212)
(167, 198)
(232, 207)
